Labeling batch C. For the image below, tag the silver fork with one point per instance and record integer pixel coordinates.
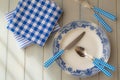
(98, 11)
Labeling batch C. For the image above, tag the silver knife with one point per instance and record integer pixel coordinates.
(60, 52)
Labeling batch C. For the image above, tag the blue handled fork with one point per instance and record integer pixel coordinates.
(105, 13)
(98, 11)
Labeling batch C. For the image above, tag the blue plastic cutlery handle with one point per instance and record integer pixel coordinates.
(105, 64)
(100, 67)
(102, 22)
(52, 59)
(105, 13)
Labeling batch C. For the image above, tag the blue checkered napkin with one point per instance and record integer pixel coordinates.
(22, 42)
(35, 19)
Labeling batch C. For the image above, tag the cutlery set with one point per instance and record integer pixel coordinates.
(33, 21)
(58, 54)
(97, 12)
(99, 63)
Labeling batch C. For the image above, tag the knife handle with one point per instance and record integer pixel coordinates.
(53, 58)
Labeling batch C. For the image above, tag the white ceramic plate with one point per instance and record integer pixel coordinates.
(95, 42)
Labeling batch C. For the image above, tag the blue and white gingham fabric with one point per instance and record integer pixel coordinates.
(22, 42)
(35, 19)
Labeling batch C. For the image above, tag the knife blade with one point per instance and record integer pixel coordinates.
(60, 52)
(75, 41)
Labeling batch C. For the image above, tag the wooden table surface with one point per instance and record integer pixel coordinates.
(27, 64)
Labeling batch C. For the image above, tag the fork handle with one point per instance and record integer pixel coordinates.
(100, 67)
(105, 13)
(102, 22)
(105, 64)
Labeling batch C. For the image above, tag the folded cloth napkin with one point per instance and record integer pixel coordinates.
(22, 42)
(35, 19)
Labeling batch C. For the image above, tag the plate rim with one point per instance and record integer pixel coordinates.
(87, 72)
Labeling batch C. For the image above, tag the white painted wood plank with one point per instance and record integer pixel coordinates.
(111, 7)
(119, 74)
(34, 54)
(66, 76)
(118, 31)
(118, 36)
(15, 57)
(87, 14)
(71, 13)
(34, 63)
(53, 72)
(3, 38)
(15, 60)
(95, 77)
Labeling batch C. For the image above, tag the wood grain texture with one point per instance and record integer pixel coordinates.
(71, 13)
(111, 7)
(27, 64)
(87, 14)
(3, 38)
(119, 74)
(118, 31)
(15, 57)
(34, 63)
(54, 71)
